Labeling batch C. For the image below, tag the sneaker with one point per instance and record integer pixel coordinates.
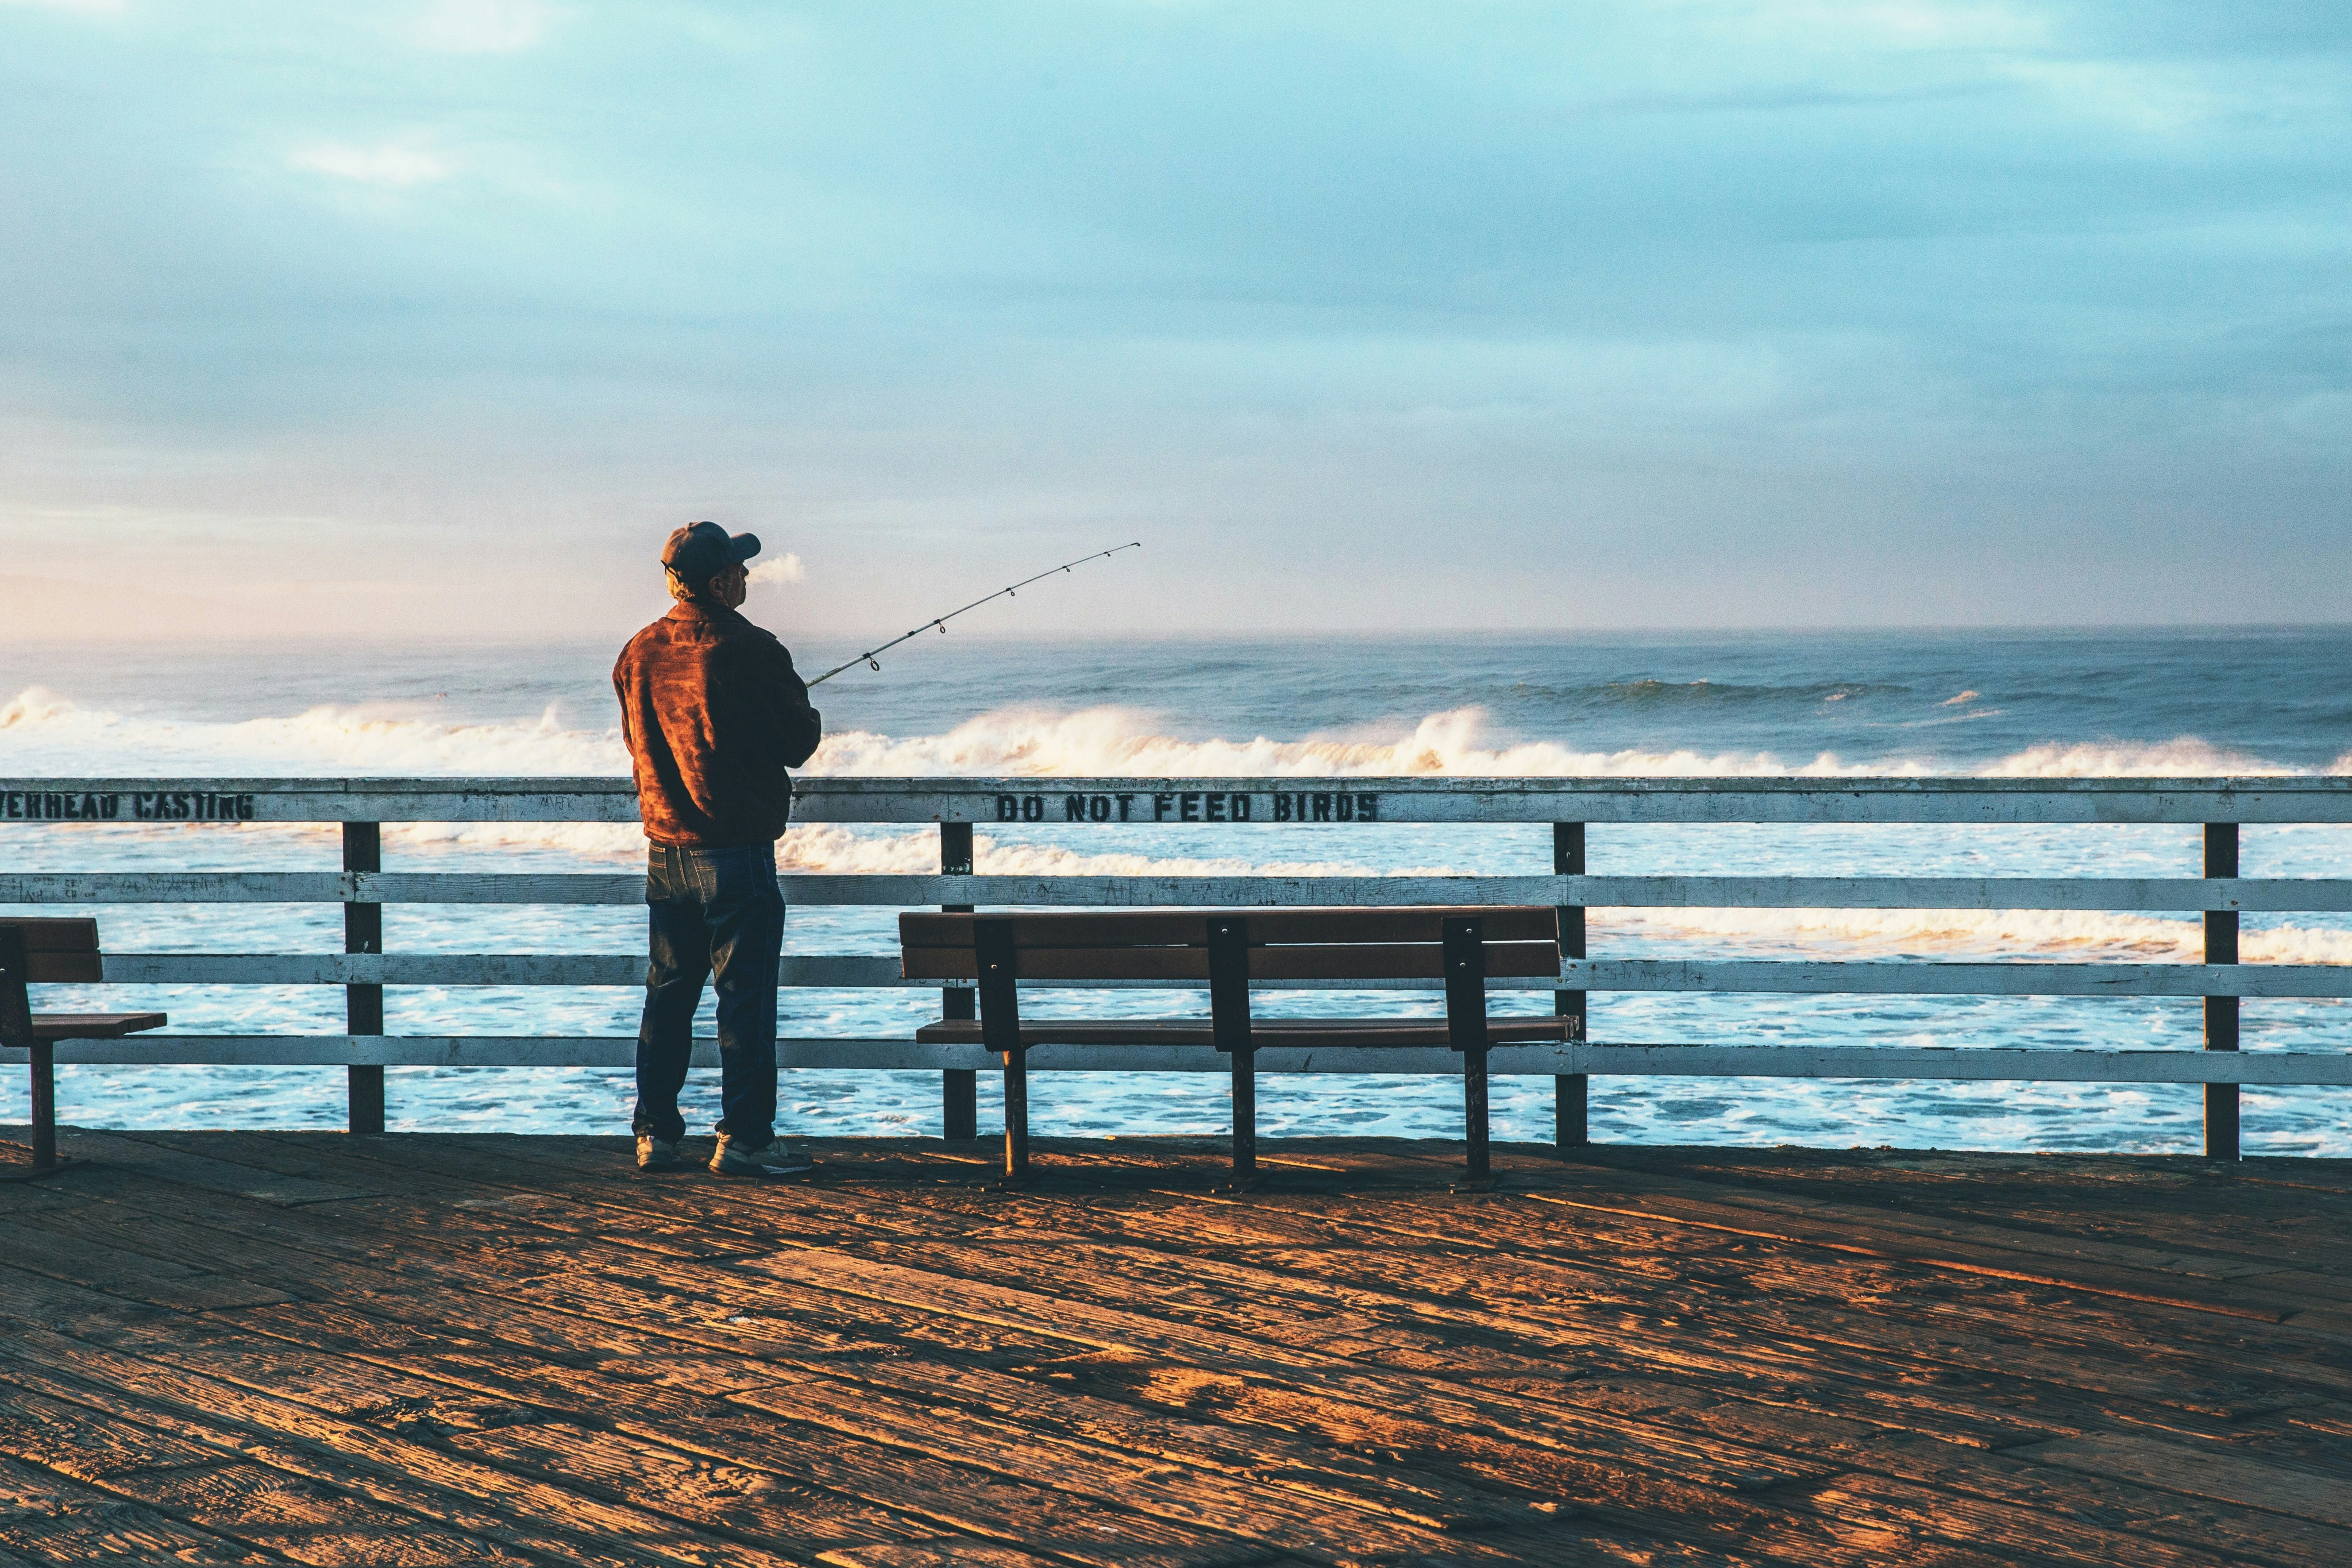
(656, 1153)
(771, 1159)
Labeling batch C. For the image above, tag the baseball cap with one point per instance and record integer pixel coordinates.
(700, 552)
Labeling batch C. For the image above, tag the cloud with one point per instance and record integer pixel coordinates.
(2136, 96)
(1894, 24)
(392, 164)
(1826, 310)
(784, 569)
(485, 27)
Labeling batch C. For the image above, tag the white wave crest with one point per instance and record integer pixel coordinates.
(43, 734)
(2185, 756)
(1123, 742)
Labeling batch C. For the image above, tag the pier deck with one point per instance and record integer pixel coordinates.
(263, 1347)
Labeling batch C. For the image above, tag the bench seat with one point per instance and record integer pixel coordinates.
(1319, 1034)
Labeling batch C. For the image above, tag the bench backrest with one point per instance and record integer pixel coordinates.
(58, 951)
(1284, 944)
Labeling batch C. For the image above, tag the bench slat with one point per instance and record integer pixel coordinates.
(93, 1026)
(71, 934)
(1360, 961)
(1189, 927)
(1298, 1033)
(64, 969)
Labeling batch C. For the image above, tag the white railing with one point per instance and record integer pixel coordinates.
(2217, 806)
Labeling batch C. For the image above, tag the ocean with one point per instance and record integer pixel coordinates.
(2009, 704)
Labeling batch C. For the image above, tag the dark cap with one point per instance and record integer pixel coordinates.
(700, 552)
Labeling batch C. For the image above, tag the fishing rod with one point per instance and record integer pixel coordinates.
(871, 657)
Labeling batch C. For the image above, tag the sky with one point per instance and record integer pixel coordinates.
(423, 319)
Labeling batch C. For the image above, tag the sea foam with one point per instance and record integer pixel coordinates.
(42, 733)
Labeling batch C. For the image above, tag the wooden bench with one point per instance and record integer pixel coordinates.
(1227, 949)
(52, 952)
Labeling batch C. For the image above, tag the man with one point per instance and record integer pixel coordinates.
(713, 715)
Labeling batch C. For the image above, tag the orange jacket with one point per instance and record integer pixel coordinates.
(713, 714)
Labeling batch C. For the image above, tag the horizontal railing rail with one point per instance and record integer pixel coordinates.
(1978, 1064)
(2122, 894)
(858, 972)
(1274, 802)
(2214, 806)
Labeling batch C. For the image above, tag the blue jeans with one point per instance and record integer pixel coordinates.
(715, 914)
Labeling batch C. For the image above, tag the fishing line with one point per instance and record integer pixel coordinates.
(871, 656)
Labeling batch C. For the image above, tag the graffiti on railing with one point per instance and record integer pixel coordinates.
(1189, 805)
(141, 806)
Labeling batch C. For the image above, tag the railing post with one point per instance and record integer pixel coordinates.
(2222, 1012)
(1568, 1089)
(959, 1086)
(1229, 1028)
(363, 1005)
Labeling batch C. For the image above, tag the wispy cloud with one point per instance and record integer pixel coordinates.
(394, 165)
(784, 569)
(2137, 97)
(485, 27)
(1891, 23)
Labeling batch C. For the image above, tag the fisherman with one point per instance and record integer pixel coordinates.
(713, 715)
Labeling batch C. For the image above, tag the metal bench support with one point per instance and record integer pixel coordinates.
(16, 1029)
(1229, 1026)
(1000, 1026)
(1465, 1022)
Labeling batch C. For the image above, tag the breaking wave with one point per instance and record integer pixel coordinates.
(44, 735)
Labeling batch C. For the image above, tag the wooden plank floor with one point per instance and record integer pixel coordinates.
(264, 1348)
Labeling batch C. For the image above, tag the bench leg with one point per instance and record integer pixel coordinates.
(1000, 1032)
(1474, 1110)
(1244, 1063)
(1229, 1028)
(1016, 1117)
(1465, 1027)
(45, 1105)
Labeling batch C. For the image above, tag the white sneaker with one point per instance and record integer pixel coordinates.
(771, 1158)
(656, 1153)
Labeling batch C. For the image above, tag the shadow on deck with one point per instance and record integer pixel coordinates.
(257, 1347)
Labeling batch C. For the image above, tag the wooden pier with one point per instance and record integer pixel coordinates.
(2206, 812)
(257, 1347)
